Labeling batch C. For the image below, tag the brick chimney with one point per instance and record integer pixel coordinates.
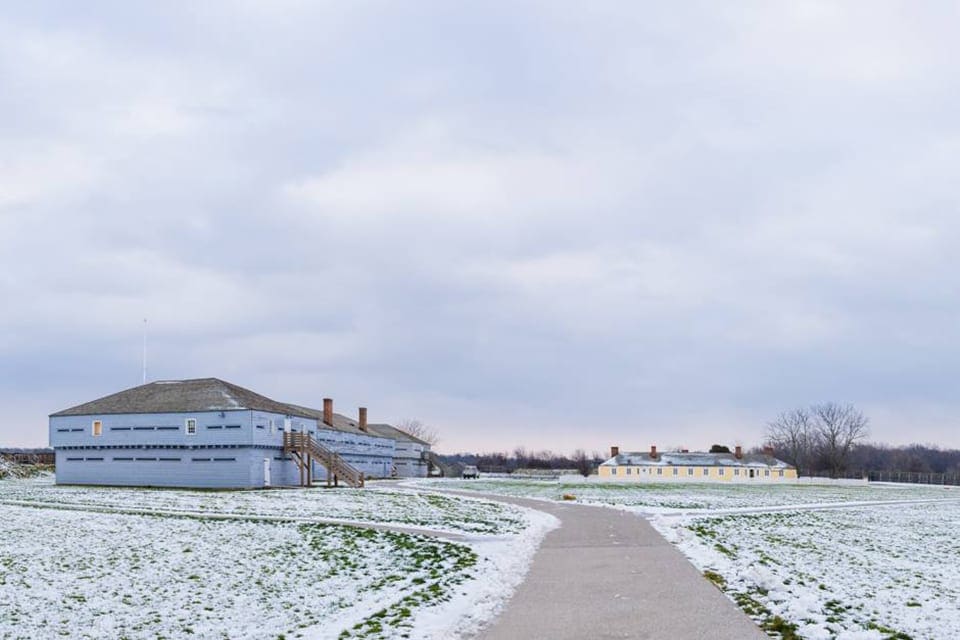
(653, 451)
(738, 452)
(362, 422)
(328, 411)
(614, 452)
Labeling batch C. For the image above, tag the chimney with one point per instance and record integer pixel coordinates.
(684, 450)
(362, 422)
(653, 451)
(614, 452)
(739, 452)
(328, 411)
(768, 451)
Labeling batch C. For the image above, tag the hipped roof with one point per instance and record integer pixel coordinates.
(694, 459)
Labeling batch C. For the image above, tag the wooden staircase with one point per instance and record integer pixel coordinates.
(433, 462)
(305, 449)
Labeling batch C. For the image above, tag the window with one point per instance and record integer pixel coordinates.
(706, 471)
(676, 471)
(190, 426)
(780, 473)
(629, 470)
(613, 471)
(720, 471)
(766, 472)
(270, 424)
(736, 472)
(690, 471)
(659, 471)
(97, 428)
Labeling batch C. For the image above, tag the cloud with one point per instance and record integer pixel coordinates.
(532, 223)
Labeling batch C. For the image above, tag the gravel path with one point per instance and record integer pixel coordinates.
(606, 573)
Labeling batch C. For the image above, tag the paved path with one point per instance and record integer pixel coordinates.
(606, 573)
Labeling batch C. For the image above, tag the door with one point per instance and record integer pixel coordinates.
(266, 472)
(751, 473)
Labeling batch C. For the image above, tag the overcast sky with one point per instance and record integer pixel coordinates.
(547, 224)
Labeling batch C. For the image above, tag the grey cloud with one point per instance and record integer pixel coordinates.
(531, 223)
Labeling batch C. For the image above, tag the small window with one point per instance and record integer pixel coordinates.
(190, 426)
(706, 471)
(766, 472)
(613, 471)
(690, 471)
(629, 470)
(676, 471)
(271, 425)
(97, 427)
(659, 471)
(780, 473)
(736, 472)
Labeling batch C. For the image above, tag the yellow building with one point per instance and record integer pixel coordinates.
(684, 466)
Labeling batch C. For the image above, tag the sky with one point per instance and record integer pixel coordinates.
(541, 224)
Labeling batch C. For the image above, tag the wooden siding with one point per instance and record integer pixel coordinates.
(244, 435)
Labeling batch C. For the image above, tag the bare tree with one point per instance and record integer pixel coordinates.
(794, 437)
(838, 428)
(583, 463)
(419, 430)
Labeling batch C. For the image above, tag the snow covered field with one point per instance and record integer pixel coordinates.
(86, 563)
(865, 573)
(665, 497)
(806, 561)
(385, 505)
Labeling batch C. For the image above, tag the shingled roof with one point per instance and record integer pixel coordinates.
(340, 422)
(694, 459)
(179, 396)
(390, 431)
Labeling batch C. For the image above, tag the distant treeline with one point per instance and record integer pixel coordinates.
(863, 457)
(916, 458)
(521, 458)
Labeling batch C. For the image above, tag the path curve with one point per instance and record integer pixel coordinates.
(606, 573)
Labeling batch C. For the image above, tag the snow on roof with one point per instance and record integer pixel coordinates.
(174, 396)
(694, 459)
